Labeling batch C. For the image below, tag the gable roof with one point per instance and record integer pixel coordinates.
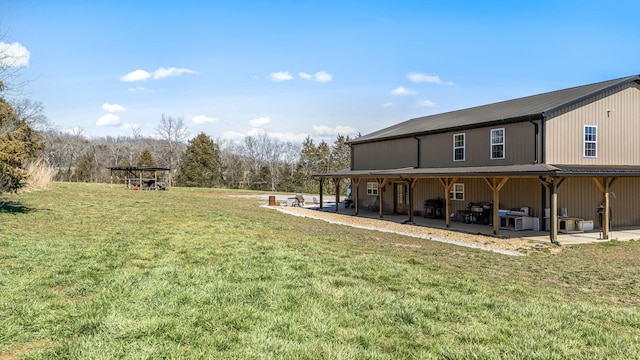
(522, 109)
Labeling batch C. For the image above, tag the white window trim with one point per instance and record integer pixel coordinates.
(585, 142)
(504, 135)
(463, 147)
(372, 188)
(454, 191)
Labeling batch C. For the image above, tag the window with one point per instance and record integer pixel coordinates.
(590, 141)
(497, 143)
(457, 192)
(372, 188)
(458, 147)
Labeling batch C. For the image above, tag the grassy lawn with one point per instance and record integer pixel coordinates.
(98, 272)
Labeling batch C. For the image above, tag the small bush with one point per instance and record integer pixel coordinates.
(39, 176)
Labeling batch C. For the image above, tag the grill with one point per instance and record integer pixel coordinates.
(433, 208)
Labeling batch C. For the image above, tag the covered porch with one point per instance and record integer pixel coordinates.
(545, 180)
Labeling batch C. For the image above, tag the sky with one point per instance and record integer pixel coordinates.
(293, 69)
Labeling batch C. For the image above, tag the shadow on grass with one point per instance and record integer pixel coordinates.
(13, 207)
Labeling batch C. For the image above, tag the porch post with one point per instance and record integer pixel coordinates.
(380, 182)
(411, 182)
(496, 187)
(356, 182)
(448, 184)
(321, 183)
(604, 189)
(336, 183)
(553, 221)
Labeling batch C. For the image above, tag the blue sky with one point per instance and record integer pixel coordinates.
(305, 68)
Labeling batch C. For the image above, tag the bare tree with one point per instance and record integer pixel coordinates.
(12, 58)
(173, 132)
(32, 113)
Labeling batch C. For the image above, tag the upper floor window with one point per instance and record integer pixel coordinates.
(590, 141)
(372, 188)
(458, 147)
(497, 143)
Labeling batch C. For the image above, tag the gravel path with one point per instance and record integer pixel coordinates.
(513, 246)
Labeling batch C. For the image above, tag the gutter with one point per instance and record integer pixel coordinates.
(418, 151)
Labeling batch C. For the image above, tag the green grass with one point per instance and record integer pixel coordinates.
(98, 272)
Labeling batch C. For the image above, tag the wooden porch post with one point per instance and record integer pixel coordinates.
(336, 183)
(553, 183)
(321, 183)
(448, 184)
(496, 187)
(381, 182)
(604, 189)
(411, 182)
(356, 182)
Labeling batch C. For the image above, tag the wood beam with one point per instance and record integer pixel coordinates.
(496, 186)
(381, 186)
(321, 191)
(447, 183)
(336, 183)
(411, 182)
(356, 181)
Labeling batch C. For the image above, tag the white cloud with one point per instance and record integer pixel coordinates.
(141, 75)
(280, 76)
(433, 79)
(305, 76)
(401, 90)
(388, 104)
(136, 75)
(138, 88)
(108, 120)
(286, 136)
(203, 119)
(76, 131)
(326, 130)
(289, 136)
(233, 135)
(426, 103)
(113, 107)
(260, 121)
(13, 55)
(172, 71)
(128, 126)
(323, 76)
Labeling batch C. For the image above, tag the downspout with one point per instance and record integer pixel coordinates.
(418, 149)
(543, 189)
(535, 141)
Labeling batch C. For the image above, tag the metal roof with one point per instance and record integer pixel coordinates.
(521, 109)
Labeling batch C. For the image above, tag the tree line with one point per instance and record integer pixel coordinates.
(258, 162)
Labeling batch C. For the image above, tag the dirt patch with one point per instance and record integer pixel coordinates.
(24, 348)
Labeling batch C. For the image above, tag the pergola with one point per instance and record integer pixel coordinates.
(141, 177)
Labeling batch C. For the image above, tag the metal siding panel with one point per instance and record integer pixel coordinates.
(437, 149)
(617, 138)
(385, 154)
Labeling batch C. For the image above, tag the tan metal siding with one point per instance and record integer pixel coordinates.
(516, 193)
(389, 154)
(618, 130)
(437, 149)
(581, 197)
